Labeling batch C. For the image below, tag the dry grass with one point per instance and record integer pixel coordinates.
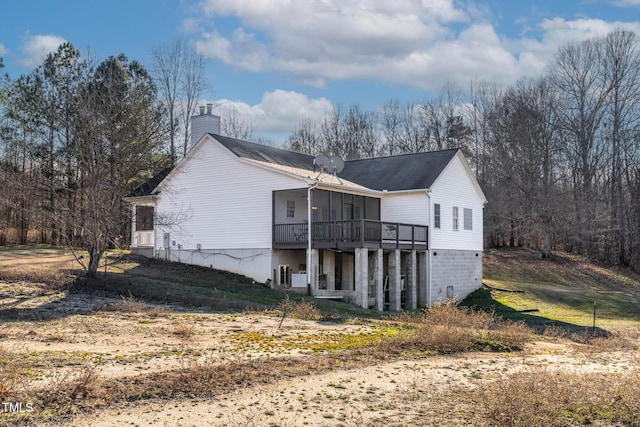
(84, 389)
(65, 393)
(301, 309)
(306, 310)
(183, 329)
(537, 396)
(444, 329)
(78, 386)
(545, 397)
(14, 376)
(588, 342)
(53, 278)
(449, 328)
(129, 304)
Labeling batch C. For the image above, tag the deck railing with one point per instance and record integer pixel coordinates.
(351, 233)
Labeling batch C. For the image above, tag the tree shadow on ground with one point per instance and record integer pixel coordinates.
(174, 286)
(31, 299)
(483, 299)
(40, 302)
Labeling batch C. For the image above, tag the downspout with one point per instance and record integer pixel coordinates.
(311, 187)
(429, 231)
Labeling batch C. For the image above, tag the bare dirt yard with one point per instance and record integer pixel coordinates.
(71, 357)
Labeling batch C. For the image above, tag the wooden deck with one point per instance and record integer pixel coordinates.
(350, 234)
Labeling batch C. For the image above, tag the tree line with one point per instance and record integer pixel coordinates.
(76, 137)
(558, 156)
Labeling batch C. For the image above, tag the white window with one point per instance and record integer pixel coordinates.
(455, 218)
(291, 209)
(436, 215)
(468, 222)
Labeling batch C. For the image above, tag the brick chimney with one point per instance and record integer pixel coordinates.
(203, 123)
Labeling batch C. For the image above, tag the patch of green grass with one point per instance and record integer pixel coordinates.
(316, 343)
(204, 287)
(561, 291)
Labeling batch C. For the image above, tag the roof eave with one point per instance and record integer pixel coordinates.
(474, 181)
(147, 197)
(409, 190)
(362, 191)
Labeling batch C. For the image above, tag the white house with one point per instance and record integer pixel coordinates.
(385, 233)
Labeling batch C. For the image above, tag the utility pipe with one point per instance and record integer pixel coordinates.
(311, 187)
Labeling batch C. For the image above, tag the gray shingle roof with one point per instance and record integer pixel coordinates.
(266, 153)
(146, 188)
(393, 173)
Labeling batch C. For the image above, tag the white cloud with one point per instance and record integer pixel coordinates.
(3, 50)
(626, 3)
(312, 38)
(422, 43)
(278, 113)
(534, 54)
(37, 47)
(560, 31)
(190, 25)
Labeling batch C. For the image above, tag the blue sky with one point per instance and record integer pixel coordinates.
(277, 61)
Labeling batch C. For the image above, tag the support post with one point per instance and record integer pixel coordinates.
(395, 285)
(362, 277)
(329, 269)
(423, 292)
(380, 280)
(313, 270)
(412, 285)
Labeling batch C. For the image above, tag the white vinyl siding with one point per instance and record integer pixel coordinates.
(220, 202)
(405, 208)
(454, 187)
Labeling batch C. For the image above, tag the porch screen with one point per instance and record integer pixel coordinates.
(372, 208)
(144, 218)
(334, 206)
(320, 205)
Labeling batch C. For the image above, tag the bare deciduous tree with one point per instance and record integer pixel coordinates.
(180, 77)
(306, 138)
(404, 127)
(235, 125)
(523, 165)
(579, 78)
(622, 64)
